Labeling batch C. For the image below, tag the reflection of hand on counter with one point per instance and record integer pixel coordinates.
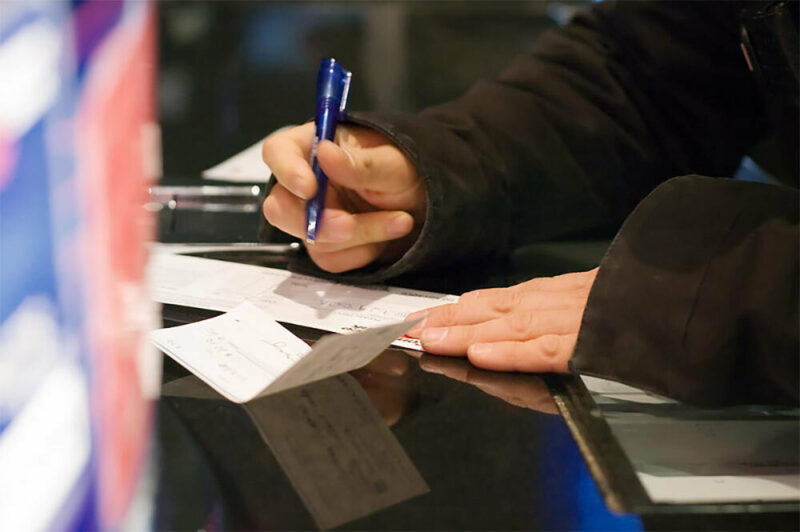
(527, 391)
(388, 380)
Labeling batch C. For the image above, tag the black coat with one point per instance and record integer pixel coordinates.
(697, 296)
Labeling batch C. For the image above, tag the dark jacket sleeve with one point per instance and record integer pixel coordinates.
(574, 134)
(697, 297)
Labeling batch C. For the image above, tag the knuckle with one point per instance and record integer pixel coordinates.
(267, 149)
(520, 323)
(273, 146)
(506, 301)
(447, 314)
(538, 283)
(549, 346)
(470, 296)
(552, 353)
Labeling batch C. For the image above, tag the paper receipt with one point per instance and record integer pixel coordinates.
(245, 353)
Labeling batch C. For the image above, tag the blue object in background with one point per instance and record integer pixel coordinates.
(48, 435)
(565, 474)
(44, 379)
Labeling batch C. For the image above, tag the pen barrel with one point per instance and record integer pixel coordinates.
(333, 85)
(315, 205)
(326, 118)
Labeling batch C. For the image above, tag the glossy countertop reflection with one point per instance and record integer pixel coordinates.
(439, 444)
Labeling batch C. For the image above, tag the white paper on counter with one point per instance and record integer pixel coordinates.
(720, 489)
(244, 353)
(287, 297)
(603, 390)
(247, 166)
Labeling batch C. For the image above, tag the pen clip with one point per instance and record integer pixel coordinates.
(345, 95)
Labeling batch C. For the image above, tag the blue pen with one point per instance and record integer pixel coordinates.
(333, 87)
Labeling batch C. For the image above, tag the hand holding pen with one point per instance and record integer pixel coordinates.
(375, 201)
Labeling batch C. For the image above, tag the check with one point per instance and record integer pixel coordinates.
(287, 297)
(244, 354)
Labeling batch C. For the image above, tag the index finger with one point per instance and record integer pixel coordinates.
(484, 305)
(287, 154)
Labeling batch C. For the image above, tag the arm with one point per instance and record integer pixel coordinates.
(572, 136)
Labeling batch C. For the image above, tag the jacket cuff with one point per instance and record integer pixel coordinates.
(691, 302)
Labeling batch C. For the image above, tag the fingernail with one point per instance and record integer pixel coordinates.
(434, 335)
(400, 225)
(479, 349)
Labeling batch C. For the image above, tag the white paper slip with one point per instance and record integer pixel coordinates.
(223, 247)
(244, 353)
(604, 391)
(288, 297)
(720, 489)
(247, 166)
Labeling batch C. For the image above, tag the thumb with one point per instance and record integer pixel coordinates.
(382, 169)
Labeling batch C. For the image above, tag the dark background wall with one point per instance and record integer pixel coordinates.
(231, 72)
